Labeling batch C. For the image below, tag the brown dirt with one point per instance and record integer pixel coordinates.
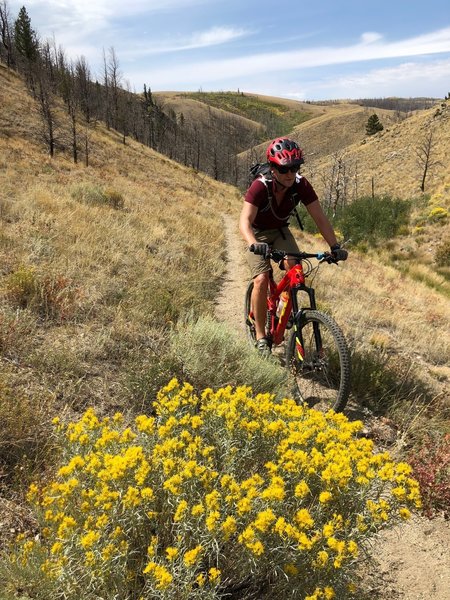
(410, 562)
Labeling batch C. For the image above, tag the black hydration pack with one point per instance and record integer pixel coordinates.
(262, 172)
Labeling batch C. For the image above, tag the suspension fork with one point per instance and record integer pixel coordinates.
(298, 314)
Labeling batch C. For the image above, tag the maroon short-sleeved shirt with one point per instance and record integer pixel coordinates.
(270, 215)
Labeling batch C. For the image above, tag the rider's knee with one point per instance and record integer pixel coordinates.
(261, 281)
(289, 263)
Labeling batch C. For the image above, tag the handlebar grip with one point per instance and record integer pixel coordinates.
(252, 247)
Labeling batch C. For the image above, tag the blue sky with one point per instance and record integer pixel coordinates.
(327, 49)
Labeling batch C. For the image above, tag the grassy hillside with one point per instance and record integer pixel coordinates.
(389, 158)
(269, 116)
(97, 264)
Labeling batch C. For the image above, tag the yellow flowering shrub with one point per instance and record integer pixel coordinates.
(208, 496)
(438, 213)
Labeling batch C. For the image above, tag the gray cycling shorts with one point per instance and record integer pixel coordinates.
(278, 239)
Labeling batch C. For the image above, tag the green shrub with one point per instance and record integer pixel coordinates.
(442, 253)
(380, 383)
(94, 194)
(24, 429)
(210, 353)
(21, 287)
(223, 495)
(373, 125)
(373, 220)
(145, 372)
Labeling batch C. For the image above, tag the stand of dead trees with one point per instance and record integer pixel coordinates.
(210, 146)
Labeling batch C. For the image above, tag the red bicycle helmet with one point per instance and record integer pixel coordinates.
(284, 152)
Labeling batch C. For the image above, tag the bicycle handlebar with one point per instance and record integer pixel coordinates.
(279, 255)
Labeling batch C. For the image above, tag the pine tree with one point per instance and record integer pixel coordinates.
(25, 37)
(373, 125)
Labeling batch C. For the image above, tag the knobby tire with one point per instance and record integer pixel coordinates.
(322, 379)
(249, 328)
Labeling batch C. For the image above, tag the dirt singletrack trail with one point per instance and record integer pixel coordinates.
(230, 301)
(411, 561)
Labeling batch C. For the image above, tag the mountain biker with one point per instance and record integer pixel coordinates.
(264, 222)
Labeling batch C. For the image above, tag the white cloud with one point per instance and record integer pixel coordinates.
(212, 37)
(431, 78)
(216, 35)
(83, 18)
(404, 72)
(206, 72)
(406, 79)
(370, 37)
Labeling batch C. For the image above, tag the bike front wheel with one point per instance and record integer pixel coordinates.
(319, 361)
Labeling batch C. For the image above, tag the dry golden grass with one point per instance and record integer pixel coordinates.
(106, 282)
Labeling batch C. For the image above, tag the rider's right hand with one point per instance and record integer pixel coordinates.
(262, 249)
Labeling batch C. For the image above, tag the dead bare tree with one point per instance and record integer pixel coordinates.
(114, 78)
(339, 183)
(106, 102)
(6, 36)
(46, 104)
(424, 155)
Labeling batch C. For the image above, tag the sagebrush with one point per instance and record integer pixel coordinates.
(207, 496)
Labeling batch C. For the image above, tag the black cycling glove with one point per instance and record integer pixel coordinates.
(262, 249)
(338, 253)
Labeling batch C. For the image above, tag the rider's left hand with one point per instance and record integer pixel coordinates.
(338, 253)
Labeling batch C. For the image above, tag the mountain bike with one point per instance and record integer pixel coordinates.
(317, 354)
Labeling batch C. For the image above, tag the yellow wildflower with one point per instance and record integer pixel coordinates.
(191, 556)
(303, 518)
(197, 510)
(212, 519)
(229, 527)
(275, 491)
(302, 489)
(171, 553)
(56, 548)
(405, 513)
(214, 574)
(181, 509)
(89, 539)
(325, 497)
(264, 520)
(161, 575)
(291, 569)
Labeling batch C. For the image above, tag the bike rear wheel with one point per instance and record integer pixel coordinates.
(322, 378)
(248, 316)
(248, 320)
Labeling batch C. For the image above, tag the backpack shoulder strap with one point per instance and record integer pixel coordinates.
(267, 181)
(296, 200)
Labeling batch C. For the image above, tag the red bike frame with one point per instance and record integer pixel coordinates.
(293, 279)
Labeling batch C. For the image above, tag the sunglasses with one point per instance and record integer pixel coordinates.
(283, 170)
